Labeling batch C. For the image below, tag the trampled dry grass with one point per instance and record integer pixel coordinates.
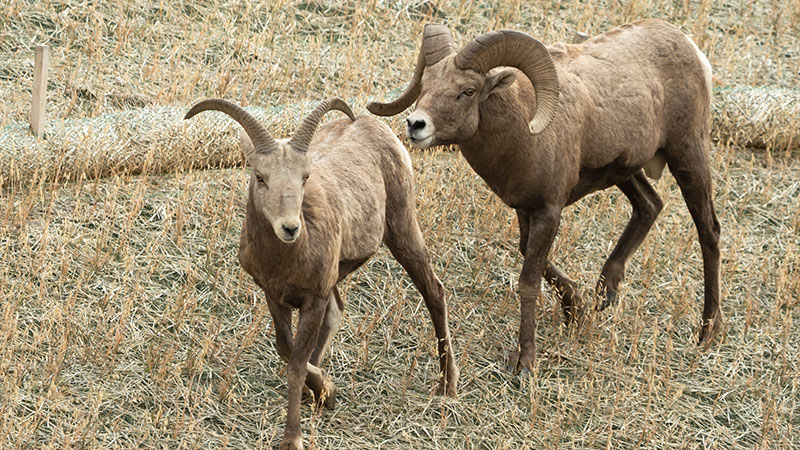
(126, 321)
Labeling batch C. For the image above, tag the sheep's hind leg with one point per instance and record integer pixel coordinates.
(405, 241)
(326, 391)
(646, 206)
(333, 318)
(694, 179)
(571, 302)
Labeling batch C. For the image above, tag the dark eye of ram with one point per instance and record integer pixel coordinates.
(260, 179)
(469, 92)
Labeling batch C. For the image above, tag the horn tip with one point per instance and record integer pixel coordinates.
(348, 110)
(378, 109)
(537, 125)
(201, 106)
(341, 105)
(191, 113)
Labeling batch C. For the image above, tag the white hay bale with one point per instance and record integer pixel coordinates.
(158, 140)
(760, 117)
(148, 140)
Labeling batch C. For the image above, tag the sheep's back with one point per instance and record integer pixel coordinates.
(360, 162)
(644, 85)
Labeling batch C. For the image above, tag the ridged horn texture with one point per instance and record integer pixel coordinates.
(516, 49)
(437, 43)
(262, 141)
(302, 138)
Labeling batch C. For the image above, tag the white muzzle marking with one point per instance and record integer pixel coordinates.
(420, 129)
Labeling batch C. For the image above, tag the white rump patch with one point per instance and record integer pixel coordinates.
(705, 63)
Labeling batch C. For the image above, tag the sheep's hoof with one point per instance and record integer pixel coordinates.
(520, 365)
(573, 315)
(710, 330)
(291, 443)
(448, 384)
(609, 298)
(327, 398)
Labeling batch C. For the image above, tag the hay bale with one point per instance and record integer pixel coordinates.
(158, 140)
(142, 141)
(761, 117)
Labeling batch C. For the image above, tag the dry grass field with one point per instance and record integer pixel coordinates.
(126, 321)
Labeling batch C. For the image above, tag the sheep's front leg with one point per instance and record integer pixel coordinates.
(282, 320)
(308, 323)
(333, 319)
(323, 389)
(541, 233)
(571, 302)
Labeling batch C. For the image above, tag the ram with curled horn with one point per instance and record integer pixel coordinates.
(546, 125)
(319, 205)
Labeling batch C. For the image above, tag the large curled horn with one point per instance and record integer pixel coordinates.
(515, 49)
(436, 44)
(302, 139)
(262, 141)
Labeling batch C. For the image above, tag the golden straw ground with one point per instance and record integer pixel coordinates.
(126, 322)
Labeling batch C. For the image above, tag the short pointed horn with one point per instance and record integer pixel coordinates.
(302, 138)
(515, 49)
(437, 43)
(262, 141)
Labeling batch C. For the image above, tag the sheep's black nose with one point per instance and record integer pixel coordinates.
(289, 230)
(415, 125)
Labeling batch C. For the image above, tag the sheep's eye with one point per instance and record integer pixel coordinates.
(305, 178)
(259, 179)
(469, 92)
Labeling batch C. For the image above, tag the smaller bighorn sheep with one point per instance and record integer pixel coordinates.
(559, 122)
(318, 207)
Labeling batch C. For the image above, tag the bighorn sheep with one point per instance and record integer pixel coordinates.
(583, 118)
(318, 206)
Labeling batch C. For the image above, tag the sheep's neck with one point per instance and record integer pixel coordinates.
(503, 152)
(488, 156)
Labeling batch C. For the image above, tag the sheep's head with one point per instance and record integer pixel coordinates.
(451, 86)
(280, 167)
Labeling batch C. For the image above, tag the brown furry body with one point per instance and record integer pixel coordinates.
(637, 97)
(359, 193)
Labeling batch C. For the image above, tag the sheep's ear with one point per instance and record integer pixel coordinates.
(499, 81)
(247, 145)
